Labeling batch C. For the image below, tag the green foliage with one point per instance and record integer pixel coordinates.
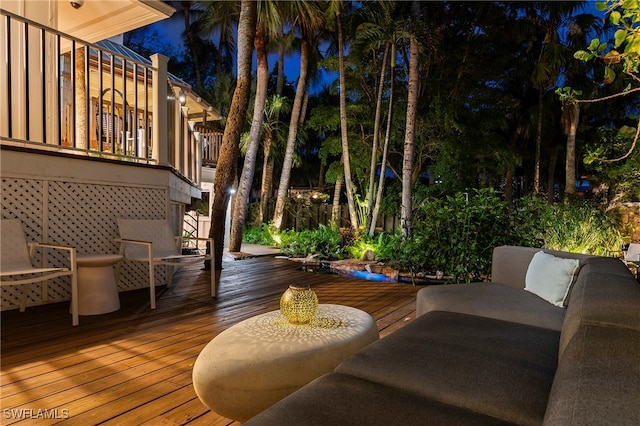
(621, 177)
(581, 229)
(324, 242)
(262, 235)
(457, 234)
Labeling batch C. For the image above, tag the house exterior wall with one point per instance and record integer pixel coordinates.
(75, 201)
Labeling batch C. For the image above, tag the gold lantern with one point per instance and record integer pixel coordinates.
(299, 304)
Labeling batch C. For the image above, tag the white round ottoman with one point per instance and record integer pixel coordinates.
(97, 288)
(257, 362)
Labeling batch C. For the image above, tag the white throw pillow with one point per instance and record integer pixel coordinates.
(550, 277)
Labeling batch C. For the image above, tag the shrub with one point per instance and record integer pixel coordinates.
(582, 229)
(324, 242)
(456, 235)
(259, 235)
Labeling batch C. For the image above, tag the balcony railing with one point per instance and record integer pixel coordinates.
(63, 94)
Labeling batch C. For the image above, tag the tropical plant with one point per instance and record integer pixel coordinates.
(581, 229)
(229, 150)
(268, 24)
(324, 243)
(308, 16)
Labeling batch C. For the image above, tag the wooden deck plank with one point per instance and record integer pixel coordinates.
(133, 366)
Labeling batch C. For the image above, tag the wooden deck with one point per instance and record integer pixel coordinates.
(134, 366)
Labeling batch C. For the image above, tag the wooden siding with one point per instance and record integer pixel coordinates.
(133, 366)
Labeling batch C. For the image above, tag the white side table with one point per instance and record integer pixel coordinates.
(97, 288)
(257, 362)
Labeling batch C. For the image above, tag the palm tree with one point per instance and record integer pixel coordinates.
(269, 20)
(549, 17)
(275, 105)
(406, 215)
(385, 149)
(187, 7)
(229, 151)
(220, 16)
(308, 17)
(334, 11)
(378, 32)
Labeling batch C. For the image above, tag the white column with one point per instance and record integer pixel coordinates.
(160, 115)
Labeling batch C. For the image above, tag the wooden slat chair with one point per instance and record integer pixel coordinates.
(16, 266)
(152, 241)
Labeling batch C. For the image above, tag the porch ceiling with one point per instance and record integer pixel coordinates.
(97, 20)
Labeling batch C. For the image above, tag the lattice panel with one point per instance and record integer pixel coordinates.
(80, 215)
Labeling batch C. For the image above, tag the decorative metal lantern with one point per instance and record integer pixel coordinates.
(299, 304)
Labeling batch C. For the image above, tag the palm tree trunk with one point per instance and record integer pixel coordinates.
(385, 149)
(248, 169)
(267, 178)
(376, 136)
(536, 170)
(229, 151)
(570, 166)
(343, 127)
(293, 132)
(406, 215)
(335, 209)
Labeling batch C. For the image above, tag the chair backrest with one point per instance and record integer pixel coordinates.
(158, 231)
(633, 253)
(14, 254)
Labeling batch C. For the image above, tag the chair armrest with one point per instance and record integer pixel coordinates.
(127, 241)
(70, 249)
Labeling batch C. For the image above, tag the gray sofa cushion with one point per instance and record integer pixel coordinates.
(492, 301)
(344, 400)
(605, 294)
(510, 263)
(597, 381)
(496, 368)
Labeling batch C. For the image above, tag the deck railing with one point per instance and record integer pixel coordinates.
(64, 94)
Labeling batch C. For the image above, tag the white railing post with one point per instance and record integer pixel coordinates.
(160, 115)
(198, 156)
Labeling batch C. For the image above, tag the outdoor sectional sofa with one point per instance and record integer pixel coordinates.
(495, 353)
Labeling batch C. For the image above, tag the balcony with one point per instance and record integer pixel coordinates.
(100, 100)
(90, 132)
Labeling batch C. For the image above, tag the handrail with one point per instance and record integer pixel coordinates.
(68, 36)
(56, 101)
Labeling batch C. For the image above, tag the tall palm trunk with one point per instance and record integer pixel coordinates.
(570, 166)
(293, 133)
(536, 170)
(267, 176)
(346, 162)
(385, 149)
(406, 215)
(249, 166)
(229, 150)
(335, 208)
(376, 136)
